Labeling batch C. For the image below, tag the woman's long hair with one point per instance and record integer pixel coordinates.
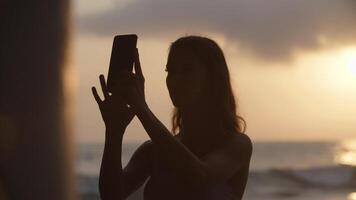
(221, 98)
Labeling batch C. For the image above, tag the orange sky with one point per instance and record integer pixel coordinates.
(309, 97)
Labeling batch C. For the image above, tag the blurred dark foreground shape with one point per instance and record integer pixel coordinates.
(34, 147)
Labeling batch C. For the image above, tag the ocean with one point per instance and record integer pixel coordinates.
(278, 170)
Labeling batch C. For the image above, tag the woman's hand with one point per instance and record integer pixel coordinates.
(114, 111)
(132, 86)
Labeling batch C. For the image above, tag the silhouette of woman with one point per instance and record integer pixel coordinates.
(208, 158)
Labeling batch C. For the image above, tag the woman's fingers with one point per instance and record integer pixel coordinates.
(96, 96)
(103, 86)
(138, 70)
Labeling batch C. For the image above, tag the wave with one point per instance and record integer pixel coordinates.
(333, 177)
(276, 181)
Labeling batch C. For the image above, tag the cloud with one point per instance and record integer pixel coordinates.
(270, 29)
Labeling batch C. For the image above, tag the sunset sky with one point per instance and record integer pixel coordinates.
(292, 63)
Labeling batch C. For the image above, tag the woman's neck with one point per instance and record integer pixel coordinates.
(199, 125)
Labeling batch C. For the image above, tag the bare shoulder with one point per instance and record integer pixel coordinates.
(146, 144)
(243, 139)
(145, 148)
(142, 155)
(240, 143)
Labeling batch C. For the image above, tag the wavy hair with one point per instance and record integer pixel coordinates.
(221, 98)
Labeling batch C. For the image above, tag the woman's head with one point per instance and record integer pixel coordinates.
(197, 73)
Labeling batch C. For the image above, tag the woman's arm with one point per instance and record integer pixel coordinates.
(215, 168)
(111, 176)
(116, 182)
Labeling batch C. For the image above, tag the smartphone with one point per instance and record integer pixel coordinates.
(122, 57)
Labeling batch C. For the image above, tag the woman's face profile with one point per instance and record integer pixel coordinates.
(186, 78)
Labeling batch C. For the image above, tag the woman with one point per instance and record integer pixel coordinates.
(210, 155)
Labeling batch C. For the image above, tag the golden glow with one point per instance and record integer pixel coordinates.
(334, 70)
(349, 57)
(343, 72)
(351, 196)
(346, 153)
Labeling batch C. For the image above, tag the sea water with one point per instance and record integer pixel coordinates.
(278, 170)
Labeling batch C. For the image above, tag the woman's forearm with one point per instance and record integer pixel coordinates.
(111, 178)
(175, 152)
